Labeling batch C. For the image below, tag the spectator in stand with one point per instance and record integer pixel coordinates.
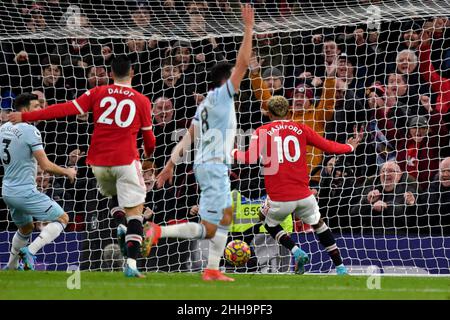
(46, 184)
(141, 15)
(337, 184)
(410, 38)
(270, 47)
(195, 57)
(419, 153)
(362, 45)
(35, 20)
(435, 202)
(96, 76)
(52, 84)
(193, 70)
(272, 79)
(144, 55)
(41, 98)
(196, 14)
(346, 71)
(349, 108)
(168, 83)
(77, 54)
(306, 110)
(160, 201)
(84, 191)
(381, 140)
(164, 128)
(407, 66)
(52, 81)
(80, 51)
(439, 84)
(325, 56)
(395, 112)
(223, 6)
(387, 202)
(7, 103)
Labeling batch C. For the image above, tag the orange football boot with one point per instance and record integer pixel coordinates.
(215, 275)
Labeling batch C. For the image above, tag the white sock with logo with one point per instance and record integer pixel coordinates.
(216, 247)
(19, 241)
(47, 235)
(189, 230)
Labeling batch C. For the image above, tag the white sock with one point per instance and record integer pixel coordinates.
(19, 241)
(216, 247)
(131, 263)
(47, 235)
(189, 230)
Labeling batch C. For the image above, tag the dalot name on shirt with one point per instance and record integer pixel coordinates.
(120, 91)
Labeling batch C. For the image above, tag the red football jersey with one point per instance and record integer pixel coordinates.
(282, 146)
(119, 113)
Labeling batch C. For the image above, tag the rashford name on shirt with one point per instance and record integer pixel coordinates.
(284, 126)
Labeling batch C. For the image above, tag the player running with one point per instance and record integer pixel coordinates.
(119, 112)
(20, 152)
(214, 128)
(282, 145)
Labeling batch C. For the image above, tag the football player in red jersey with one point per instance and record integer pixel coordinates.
(119, 113)
(282, 146)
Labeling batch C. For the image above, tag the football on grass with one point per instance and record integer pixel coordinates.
(237, 252)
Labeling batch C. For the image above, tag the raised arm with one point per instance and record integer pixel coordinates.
(245, 51)
(260, 89)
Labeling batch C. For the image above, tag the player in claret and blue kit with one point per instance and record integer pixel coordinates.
(20, 153)
(119, 113)
(282, 145)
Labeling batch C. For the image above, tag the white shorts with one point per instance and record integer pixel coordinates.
(126, 182)
(307, 210)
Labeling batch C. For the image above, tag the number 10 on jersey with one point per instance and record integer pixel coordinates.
(283, 151)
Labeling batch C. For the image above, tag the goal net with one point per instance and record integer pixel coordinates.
(380, 65)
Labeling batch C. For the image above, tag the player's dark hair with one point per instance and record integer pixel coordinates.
(121, 66)
(220, 72)
(23, 100)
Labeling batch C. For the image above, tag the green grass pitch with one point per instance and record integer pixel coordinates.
(174, 286)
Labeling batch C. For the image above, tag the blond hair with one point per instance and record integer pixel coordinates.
(278, 106)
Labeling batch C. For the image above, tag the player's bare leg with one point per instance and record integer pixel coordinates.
(326, 239)
(218, 241)
(133, 239)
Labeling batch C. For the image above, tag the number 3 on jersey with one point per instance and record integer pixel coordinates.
(118, 111)
(283, 148)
